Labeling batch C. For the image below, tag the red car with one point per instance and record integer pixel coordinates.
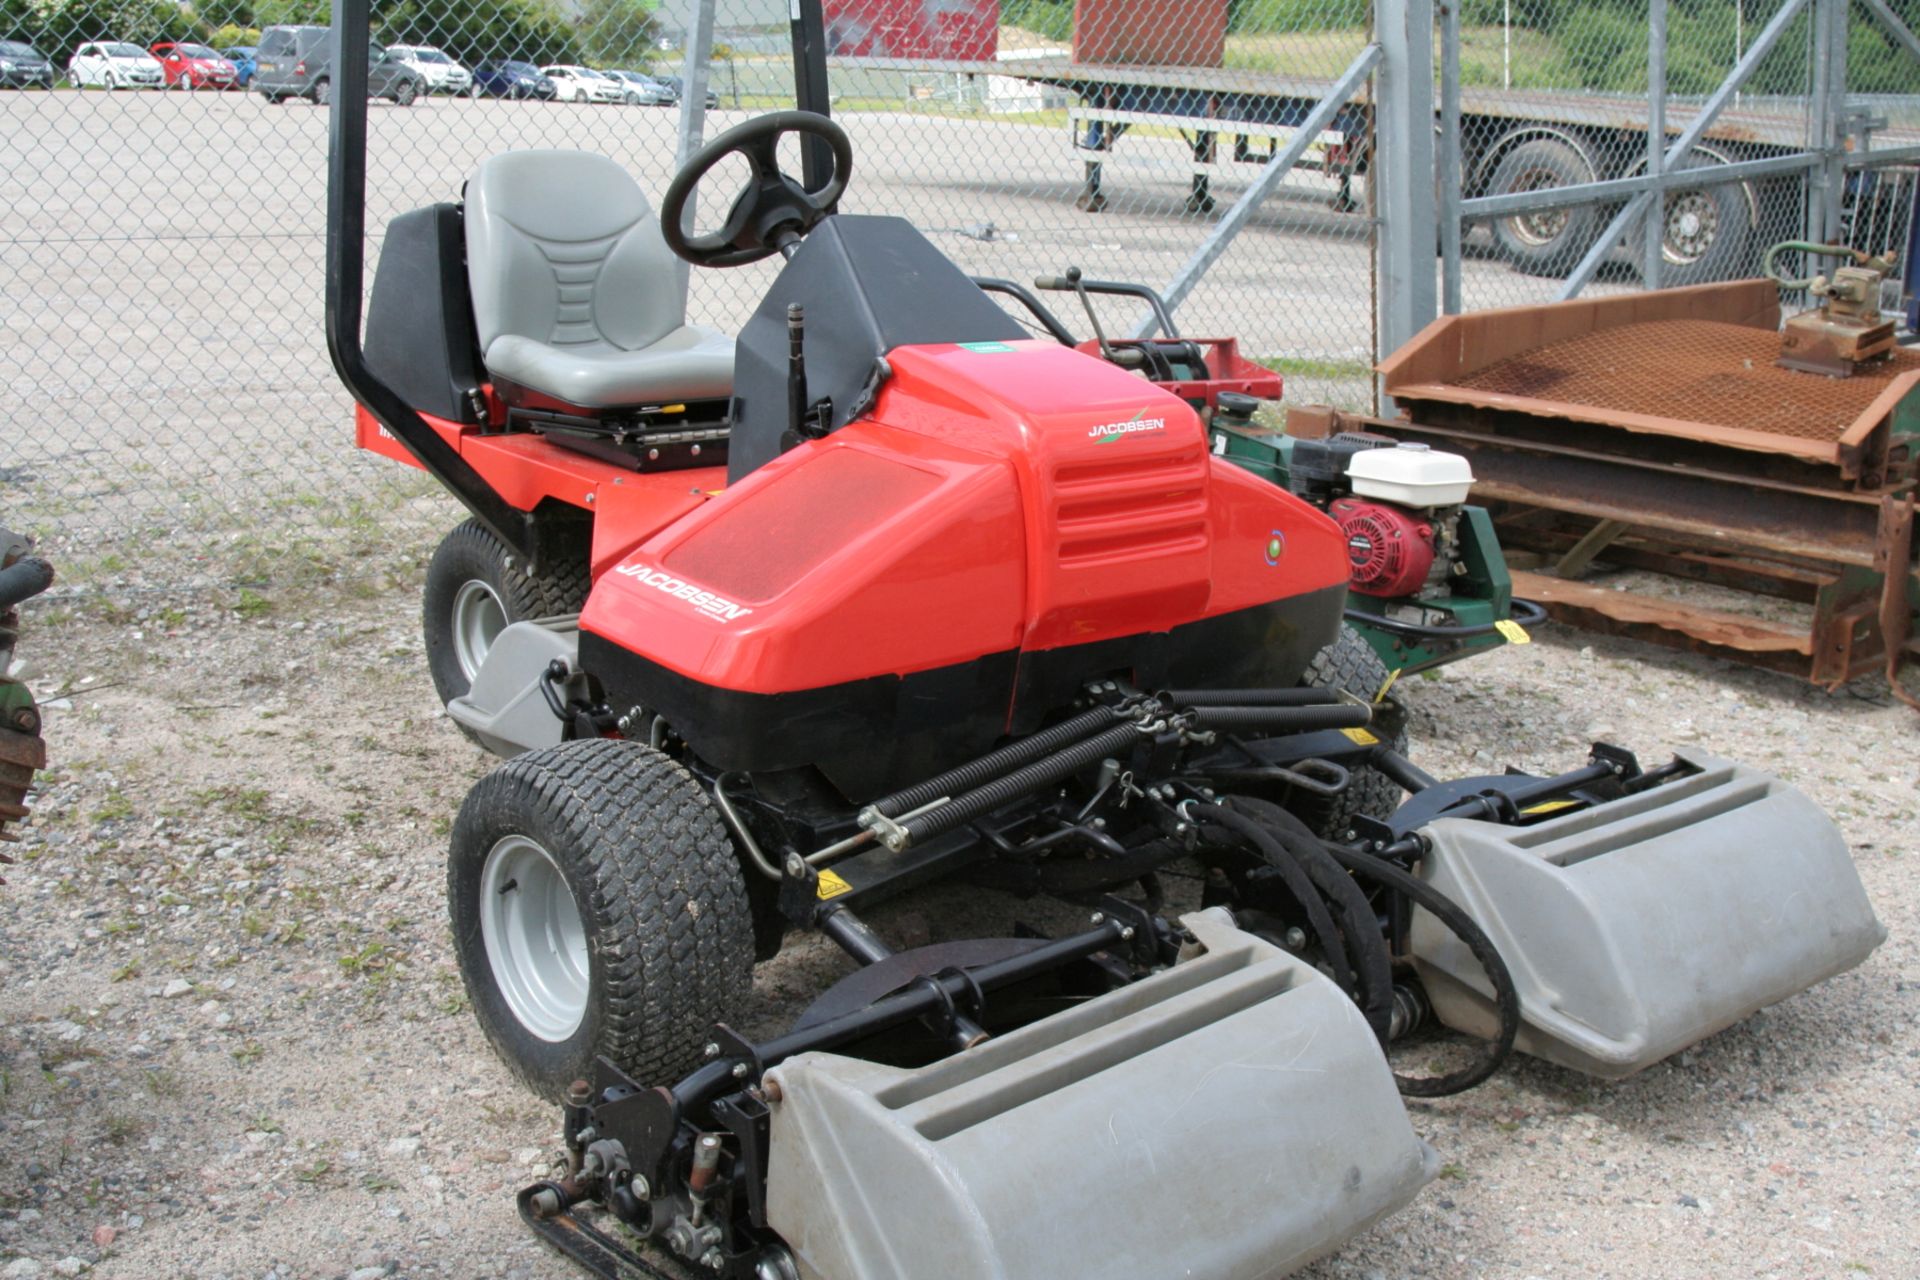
(194, 66)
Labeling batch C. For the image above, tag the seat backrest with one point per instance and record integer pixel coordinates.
(563, 248)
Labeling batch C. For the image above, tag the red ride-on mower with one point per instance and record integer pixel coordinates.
(884, 593)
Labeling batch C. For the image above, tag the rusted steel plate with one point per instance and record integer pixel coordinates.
(1713, 627)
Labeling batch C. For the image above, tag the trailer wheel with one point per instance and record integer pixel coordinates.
(1350, 665)
(1706, 232)
(475, 588)
(1545, 241)
(598, 908)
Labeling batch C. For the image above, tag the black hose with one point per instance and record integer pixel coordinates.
(971, 774)
(1295, 697)
(1083, 875)
(1372, 960)
(966, 807)
(1527, 613)
(1346, 715)
(1505, 995)
(1280, 858)
(24, 579)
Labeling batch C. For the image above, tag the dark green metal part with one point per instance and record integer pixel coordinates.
(1481, 595)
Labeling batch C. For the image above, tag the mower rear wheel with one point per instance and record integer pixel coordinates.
(1349, 664)
(476, 587)
(598, 908)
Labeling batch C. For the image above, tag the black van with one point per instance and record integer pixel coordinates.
(293, 63)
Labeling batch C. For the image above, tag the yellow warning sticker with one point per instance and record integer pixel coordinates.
(831, 886)
(1391, 677)
(1547, 806)
(1361, 736)
(1513, 631)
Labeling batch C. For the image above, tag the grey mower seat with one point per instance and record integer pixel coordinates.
(575, 294)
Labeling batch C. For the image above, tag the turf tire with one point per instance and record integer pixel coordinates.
(1350, 665)
(472, 554)
(661, 896)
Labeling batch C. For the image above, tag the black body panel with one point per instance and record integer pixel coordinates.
(875, 735)
(868, 285)
(421, 339)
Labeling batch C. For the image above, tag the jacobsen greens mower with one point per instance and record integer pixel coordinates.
(886, 592)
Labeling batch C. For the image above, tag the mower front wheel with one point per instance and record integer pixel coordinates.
(475, 588)
(598, 908)
(1350, 665)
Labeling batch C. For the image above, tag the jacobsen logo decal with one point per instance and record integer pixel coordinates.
(1138, 424)
(699, 597)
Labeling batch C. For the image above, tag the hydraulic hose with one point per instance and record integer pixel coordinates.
(1252, 697)
(966, 807)
(1345, 715)
(1806, 247)
(1281, 859)
(1506, 996)
(971, 774)
(1371, 959)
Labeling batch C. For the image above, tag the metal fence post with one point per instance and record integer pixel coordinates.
(1656, 138)
(1403, 168)
(693, 110)
(1451, 174)
(1827, 180)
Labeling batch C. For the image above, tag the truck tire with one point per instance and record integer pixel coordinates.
(1549, 241)
(1706, 232)
(598, 908)
(1350, 665)
(475, 588)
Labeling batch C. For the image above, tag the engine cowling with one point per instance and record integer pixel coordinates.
(1391, 550)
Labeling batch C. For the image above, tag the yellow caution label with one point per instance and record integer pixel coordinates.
(1547, 806)
(831, 886)
(1391, 677)
(1513, 631)
(1361, 736)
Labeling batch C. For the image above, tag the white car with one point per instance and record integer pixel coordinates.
(579, 84)
(443, 74)
(115, 64)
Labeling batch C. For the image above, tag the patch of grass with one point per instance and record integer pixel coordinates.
(122, 1127)
(251, 604)
(1316, 367)
(162, 1083)
(1452, 1172)
(248, 1054)
(113, 806)
(131, 969)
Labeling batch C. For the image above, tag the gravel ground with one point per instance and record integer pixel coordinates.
(234, 1042)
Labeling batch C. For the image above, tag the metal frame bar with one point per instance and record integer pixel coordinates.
(1715, 104)
(346, 292)
(1896, 28)
(1402, 171)
(1451, 159)
(693, 116)
(1655, 230)
(1271, 173)
(811, 91)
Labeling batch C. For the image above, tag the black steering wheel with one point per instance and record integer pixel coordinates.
(772, 210)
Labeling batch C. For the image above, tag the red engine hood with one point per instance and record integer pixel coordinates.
(999, 496)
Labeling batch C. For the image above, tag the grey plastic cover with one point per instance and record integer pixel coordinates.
(575, 293)
(1232, 1117)
(505, 708)
(1639, 927)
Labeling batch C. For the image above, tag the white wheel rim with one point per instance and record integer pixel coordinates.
(536, 946)
(478, 619)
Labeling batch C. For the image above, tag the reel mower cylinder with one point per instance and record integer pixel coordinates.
(1230, 1117)
(1642, 926)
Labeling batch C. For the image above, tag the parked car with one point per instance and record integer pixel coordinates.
(643, 90)
(443, 74)
(242, 58)
(679, 89)
(22, 66)
(293, 63)
(114, 64)
(509, 79)
(193, 66)
(580, 84)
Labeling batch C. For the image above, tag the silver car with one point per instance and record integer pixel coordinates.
(443, 74)
(643, 90)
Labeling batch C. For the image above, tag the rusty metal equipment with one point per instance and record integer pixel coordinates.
(1657, 430)
(1846, 330)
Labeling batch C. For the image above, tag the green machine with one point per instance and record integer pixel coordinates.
(1429, 583)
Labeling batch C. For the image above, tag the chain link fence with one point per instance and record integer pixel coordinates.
(163, 373)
